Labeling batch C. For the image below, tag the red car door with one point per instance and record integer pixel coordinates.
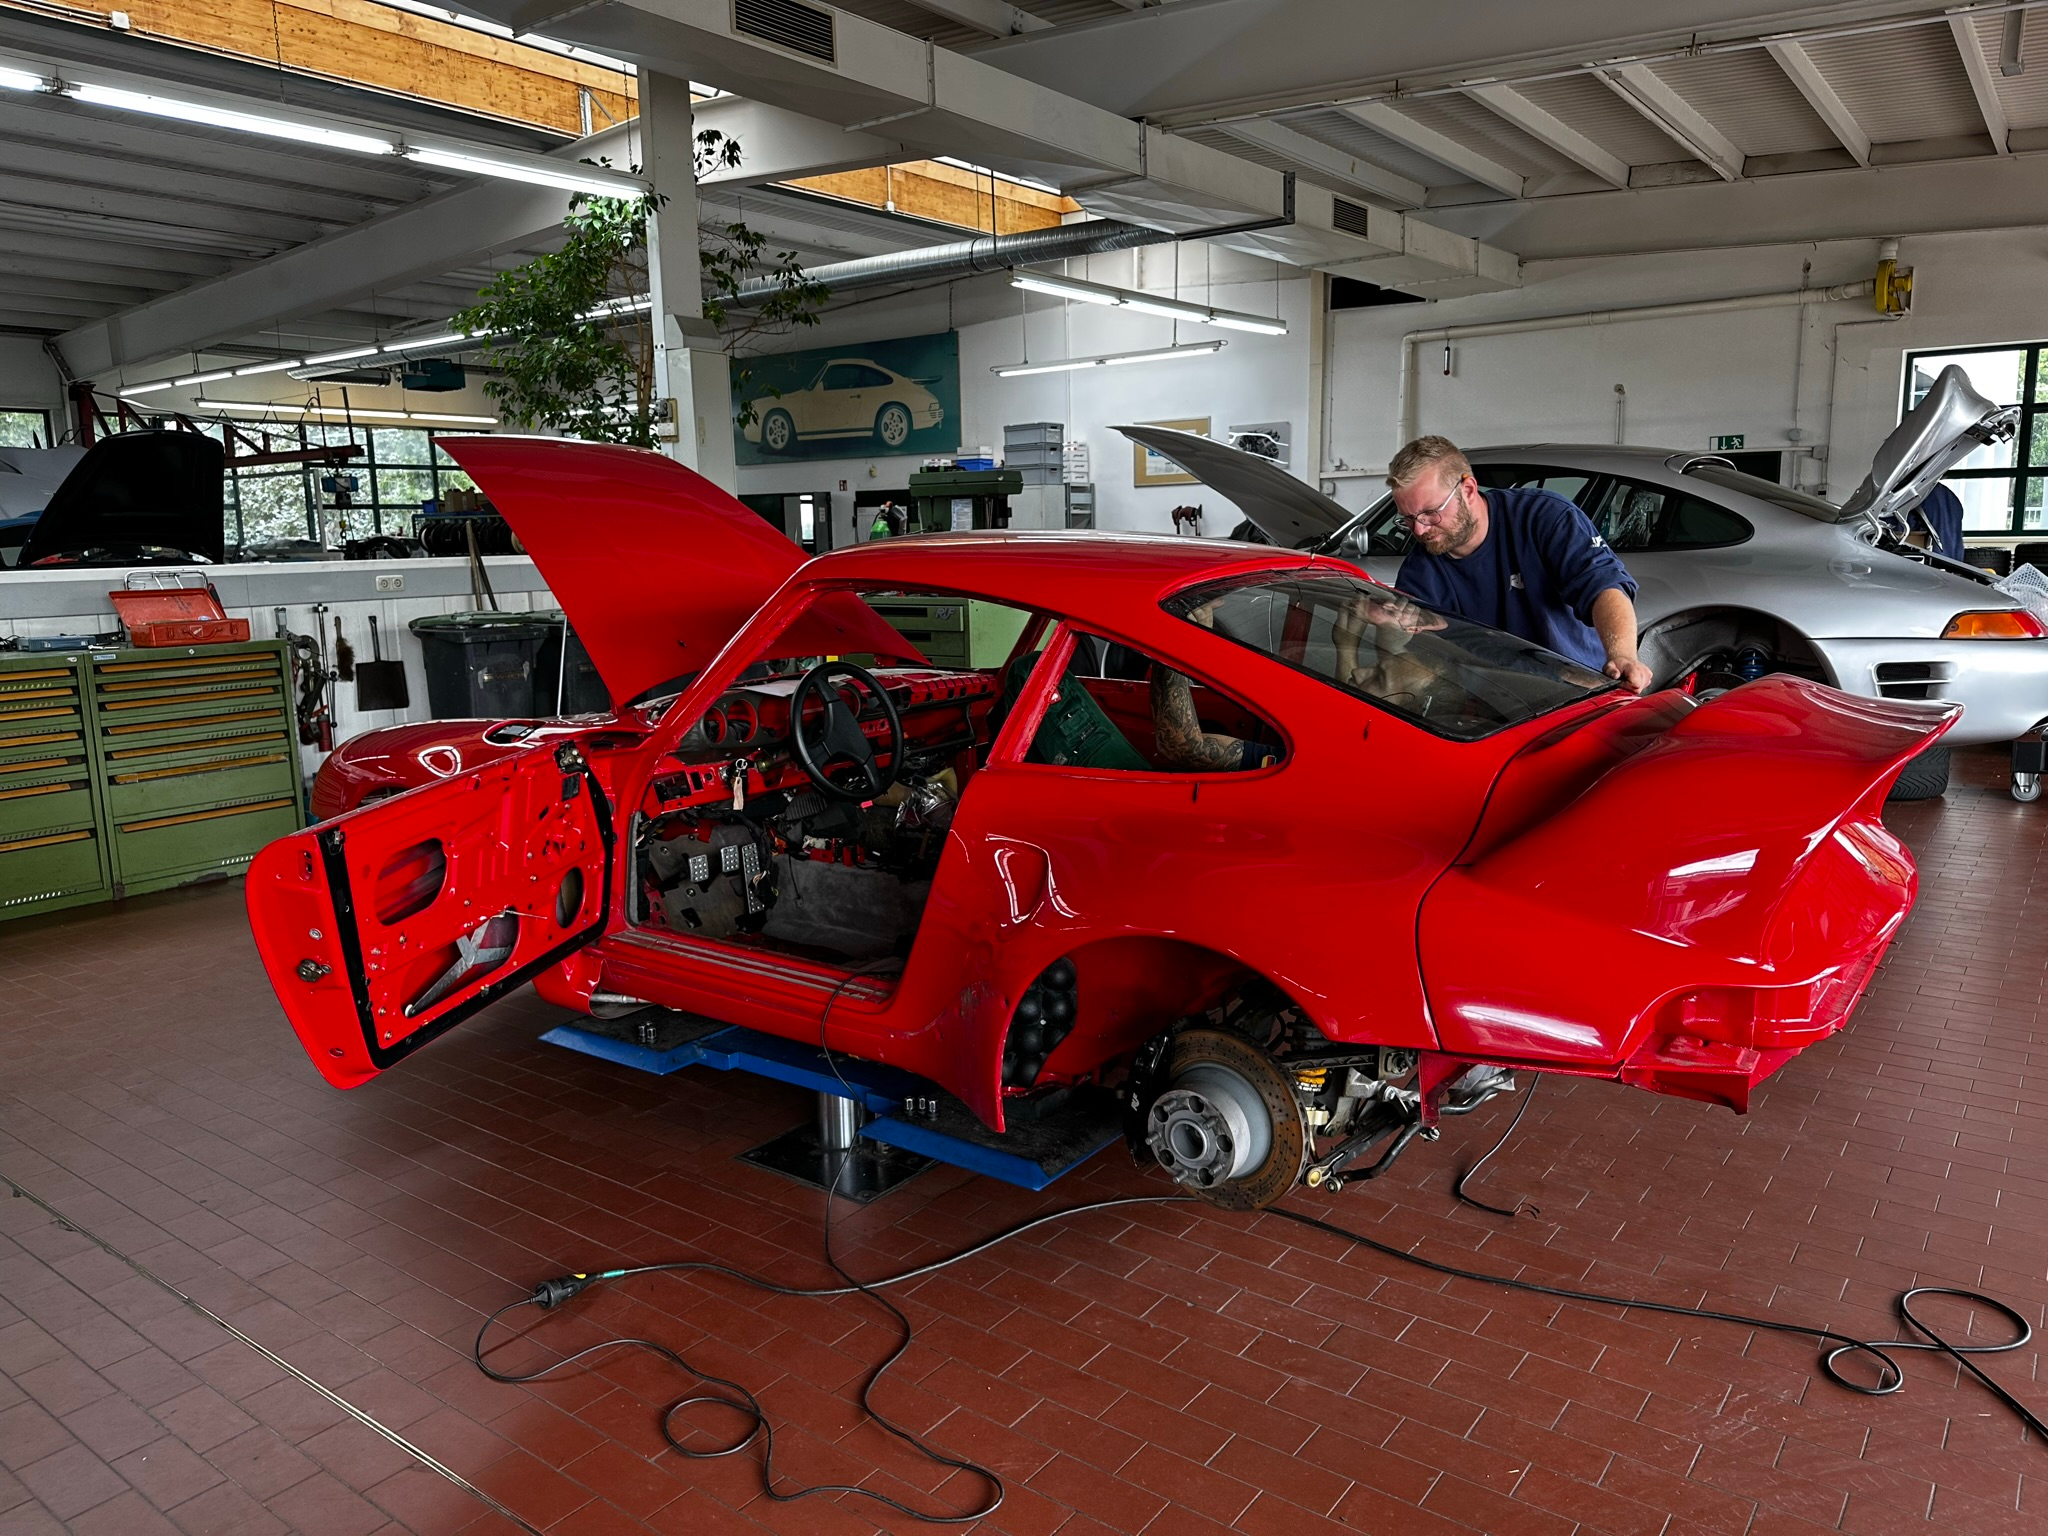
(385, 928)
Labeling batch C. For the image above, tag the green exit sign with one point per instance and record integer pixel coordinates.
(1731, 443)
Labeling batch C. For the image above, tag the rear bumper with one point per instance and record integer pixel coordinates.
(2001, 684)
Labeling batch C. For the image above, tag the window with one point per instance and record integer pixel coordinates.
(1378, 531)
(1451, 677)
(2001, 485)
(25, 429)
(1636, 517)
(1119, 709)
(398, 471)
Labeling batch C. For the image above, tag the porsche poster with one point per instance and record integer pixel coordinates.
(864, 400)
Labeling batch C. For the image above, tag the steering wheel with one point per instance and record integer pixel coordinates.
(838, 733)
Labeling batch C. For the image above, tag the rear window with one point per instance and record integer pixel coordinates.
(1451, 677)
(1636, 517)
(1767, 490)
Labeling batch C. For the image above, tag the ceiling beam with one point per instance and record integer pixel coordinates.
(1979, 70)
(1552, 131)
(1646, 91)
(1328, 163)
(1442, 148)
(995, 17)
(1827, 104)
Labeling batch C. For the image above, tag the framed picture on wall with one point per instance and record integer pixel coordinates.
(1149, 468)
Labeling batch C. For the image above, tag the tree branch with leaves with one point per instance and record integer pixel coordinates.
(569, 349)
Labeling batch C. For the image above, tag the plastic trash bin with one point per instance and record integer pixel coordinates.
(482, 666)
(582, 691)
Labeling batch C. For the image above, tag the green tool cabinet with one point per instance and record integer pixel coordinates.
(954, 631)
(138, 770)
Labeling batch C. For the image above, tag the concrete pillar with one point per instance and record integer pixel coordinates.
(689, 368)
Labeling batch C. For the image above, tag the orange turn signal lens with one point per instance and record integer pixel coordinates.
(1994, 624)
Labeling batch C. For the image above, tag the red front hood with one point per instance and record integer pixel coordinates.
(655, 566)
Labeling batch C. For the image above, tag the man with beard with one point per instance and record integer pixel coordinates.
(1522, 560)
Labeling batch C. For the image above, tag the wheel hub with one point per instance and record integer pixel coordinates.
(1210, 1126)
(1228, 1126)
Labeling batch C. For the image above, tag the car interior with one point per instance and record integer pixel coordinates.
(804, 813)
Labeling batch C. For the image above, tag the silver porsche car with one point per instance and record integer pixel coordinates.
(1739, 577)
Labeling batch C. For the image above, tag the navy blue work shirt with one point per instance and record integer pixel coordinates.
(1536, 575)
(1942, 515)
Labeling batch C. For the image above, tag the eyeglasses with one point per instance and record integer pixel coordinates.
(1435, 513)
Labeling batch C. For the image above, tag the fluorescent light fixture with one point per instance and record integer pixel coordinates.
(335, 413)
(204, 378)
(1112, 360)
(444, 339)
(1146, 303)
(1062, 290)
(223, 117)
(1199, 349)
(142, 389)
(21, 80)
(277, 367)
(570, 178)
(348, 355)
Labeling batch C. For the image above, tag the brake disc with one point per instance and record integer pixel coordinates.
(1228, 1127)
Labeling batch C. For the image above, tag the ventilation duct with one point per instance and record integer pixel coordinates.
(969, 258)
(805, 29)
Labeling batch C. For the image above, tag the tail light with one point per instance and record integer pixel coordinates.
(1994, 624)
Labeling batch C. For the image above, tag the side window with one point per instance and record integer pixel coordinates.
(842, 376)
(1381, 532)
(1570, 484)
(871, 378)
(1636, 517)
(1121, 710)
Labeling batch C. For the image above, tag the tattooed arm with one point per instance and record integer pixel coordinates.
(1182, 741)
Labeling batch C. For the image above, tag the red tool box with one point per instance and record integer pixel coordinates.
(175, 608)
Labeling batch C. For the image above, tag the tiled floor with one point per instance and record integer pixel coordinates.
(1164, 1370)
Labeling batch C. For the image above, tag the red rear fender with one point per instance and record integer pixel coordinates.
(1729, 884)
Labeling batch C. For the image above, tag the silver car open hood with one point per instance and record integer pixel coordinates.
(1288, 511)
(1946, 427)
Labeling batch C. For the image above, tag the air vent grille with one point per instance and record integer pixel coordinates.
(805, 29)
(1352, 218)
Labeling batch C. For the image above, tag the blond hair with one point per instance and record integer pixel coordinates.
(1423, 455)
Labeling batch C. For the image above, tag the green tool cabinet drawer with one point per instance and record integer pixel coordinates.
(51, 851)
(136, 770)
(954, 631)
(199, 759)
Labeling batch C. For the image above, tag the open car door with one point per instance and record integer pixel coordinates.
(385, 928)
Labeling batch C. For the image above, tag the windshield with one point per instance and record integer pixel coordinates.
(1449, 676)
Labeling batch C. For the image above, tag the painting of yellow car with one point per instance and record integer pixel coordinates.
(850, 399)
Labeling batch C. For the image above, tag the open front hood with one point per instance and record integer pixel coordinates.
(136, 491)
(656, 567)
(1950, 424)
(1288, 511)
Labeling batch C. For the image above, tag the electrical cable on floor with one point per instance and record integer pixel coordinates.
(1890, 1375)
(1522, 1203)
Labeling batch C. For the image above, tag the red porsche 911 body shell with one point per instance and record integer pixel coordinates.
(1671, 894)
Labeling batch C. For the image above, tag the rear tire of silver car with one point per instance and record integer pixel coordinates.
(892, 424)
(778, 432)
(1228, 1127)
(1925, 777)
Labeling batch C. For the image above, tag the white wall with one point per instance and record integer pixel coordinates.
(1689, 379)
(1254, 378)
(28, 379)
